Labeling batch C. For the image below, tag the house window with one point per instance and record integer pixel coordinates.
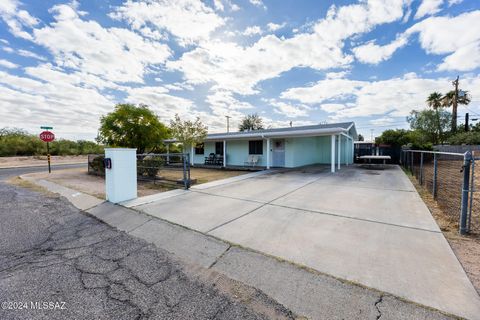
(219, 148)
(200, 148)
(255, 147)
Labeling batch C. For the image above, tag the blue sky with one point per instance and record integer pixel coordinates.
(67, 63)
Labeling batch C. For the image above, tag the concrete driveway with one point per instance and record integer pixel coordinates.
(366, 226)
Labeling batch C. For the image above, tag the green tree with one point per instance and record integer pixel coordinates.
(394, 137)
(360, 137)
(430, 124)
(189, 133)
(453, 99)
(132, 126)
(251, 122)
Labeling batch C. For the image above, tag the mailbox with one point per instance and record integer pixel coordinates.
(107, 162)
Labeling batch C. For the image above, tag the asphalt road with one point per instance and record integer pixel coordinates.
(6, 173)
(58, 263)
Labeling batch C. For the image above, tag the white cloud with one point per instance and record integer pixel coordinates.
(71, 109)
(382, 121)
(274, 26)
(163, 104)
(252, 30)
(395, 96)
(236, 68)
(16, 18)
(114, 54)
(8, 64)
(30, 54)
(289, 110)
(332, 107)
(458, 36)
(258, 3)
(187, 20)
(428, 7)
(374, 54)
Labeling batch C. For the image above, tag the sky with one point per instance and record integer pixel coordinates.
(65, 64)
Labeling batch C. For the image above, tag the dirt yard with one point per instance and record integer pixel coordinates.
(78, 179)
(466, 248)
(8, 162)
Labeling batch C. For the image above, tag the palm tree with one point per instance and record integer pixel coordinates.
(453, 99)
(251, 122)
(434, 101)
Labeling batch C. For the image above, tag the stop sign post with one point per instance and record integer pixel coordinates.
(47, 136)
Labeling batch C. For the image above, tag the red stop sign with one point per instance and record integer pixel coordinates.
(47, 136)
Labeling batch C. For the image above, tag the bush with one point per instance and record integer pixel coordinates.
(470, 137)
(17, 142)
(96, 166)
(149, 167)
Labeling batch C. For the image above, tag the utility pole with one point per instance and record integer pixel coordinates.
(455, 105)
(466, 122)
(371, 135)
(228, 123)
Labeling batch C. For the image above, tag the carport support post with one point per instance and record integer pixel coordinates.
(435, 170)
(268, 153)
(224, 153)
(339, 154)
(332, 153)
(467, 158)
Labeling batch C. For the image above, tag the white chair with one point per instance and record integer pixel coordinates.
(252, 160)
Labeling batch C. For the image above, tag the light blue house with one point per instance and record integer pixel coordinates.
(281, 147)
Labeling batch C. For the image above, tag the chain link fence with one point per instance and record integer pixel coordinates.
(450, 178)
(170, 169)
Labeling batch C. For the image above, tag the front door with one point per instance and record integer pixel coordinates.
(278, 153)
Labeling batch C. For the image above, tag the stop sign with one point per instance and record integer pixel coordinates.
(47, 136)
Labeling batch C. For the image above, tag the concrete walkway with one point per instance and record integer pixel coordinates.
(369, 227)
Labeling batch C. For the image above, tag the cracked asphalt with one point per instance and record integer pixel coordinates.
(51, 252)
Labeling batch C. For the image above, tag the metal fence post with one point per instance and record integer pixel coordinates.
(467, 158)
(472, 190)
(411, 162)
(185, 161)
(435, 170)
(421, 169)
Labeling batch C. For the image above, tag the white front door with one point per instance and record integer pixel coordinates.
(278, 153)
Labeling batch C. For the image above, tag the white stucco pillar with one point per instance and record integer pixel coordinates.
(224, 153)
(332, 153)
(339, 151)
(268, 153)
(121, 176)
(353, 152)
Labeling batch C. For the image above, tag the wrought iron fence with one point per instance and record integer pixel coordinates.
(96, 165)
(171, 169)
(166, 168)
(450, 178)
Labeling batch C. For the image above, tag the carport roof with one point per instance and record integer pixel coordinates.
(311, 130)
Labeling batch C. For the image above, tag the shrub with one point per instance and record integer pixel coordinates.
(149, 166)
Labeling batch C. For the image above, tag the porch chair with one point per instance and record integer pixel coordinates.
(252, 160)
(210, 159)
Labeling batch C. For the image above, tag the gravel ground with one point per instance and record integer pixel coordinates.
(58, 263)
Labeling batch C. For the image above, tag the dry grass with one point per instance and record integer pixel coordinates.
(449, 189)
(466, 248)
(79, 180)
